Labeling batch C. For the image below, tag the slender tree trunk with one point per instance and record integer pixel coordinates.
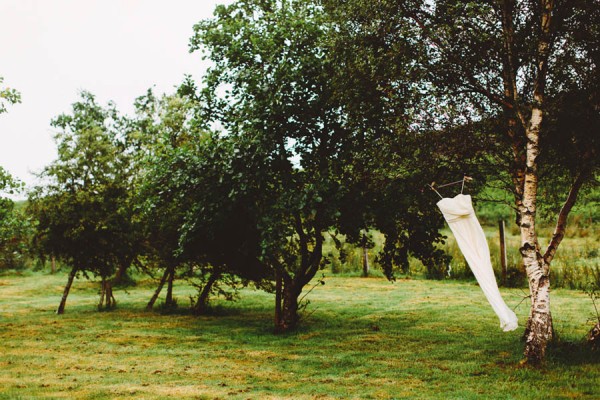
(538, 331)
(203, 297)
(63, 301)
(154, 297)
(111, 302)
(120, 273)
(278, 297)
(102, 294)
(503, 261)
(107, 299)
(171, 278)
(53, 264)
(292, 287)
(593, 337)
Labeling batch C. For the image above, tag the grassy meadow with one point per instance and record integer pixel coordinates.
(362, 338)
(576, 265)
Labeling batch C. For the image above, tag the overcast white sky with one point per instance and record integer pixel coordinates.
(116, 49)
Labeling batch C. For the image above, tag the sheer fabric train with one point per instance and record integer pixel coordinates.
(458, 212)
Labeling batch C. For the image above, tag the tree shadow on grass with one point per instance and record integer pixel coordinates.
(573, 353)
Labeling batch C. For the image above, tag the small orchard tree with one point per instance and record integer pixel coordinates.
(290, 155)
(209, 233)
(159, 127)
(167, 141)
(268, 90)
(82, 210)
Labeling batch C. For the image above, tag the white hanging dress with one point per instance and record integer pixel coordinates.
(458, 212)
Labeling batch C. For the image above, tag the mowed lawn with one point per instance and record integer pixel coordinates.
(363, 338)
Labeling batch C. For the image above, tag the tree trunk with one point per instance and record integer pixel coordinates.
(53, 264)
(203, 297)
(110, 299)
(593, 337)
(503, 261)
(63, 301)
(171, 278)
(539, 324)
(288, 318)
(289, 312)
(158, 290)
(102, 293)
(278, 297)
(525, 149)
(107, 300)
(539, 330)
(111, 302)
(120, 273)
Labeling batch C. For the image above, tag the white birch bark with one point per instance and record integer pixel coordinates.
(539, 327)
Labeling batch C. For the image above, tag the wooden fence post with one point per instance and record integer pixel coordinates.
(502, 251)
(365, 260)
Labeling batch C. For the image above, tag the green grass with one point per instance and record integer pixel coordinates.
(365, 339)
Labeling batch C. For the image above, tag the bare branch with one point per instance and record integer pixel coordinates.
(510, 62)
(302, 236)
(561, 223)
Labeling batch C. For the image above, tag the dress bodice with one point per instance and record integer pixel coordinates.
(456, 207)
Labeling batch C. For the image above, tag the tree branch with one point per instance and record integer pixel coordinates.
(473, 85)
(315, 259)
(302, 237)
(510, 64)
(544, 48)
(561, 223)
(476, 87)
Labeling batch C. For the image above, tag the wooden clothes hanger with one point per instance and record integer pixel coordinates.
(462, 181)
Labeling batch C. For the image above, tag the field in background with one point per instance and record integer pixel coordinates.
(576, 265)
(363, 339)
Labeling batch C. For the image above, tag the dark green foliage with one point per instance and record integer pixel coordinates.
(13, 225)
(303, 158)
(181, 181)
(278, 173)
(397, 151)
(15, 231)
(15, 228)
